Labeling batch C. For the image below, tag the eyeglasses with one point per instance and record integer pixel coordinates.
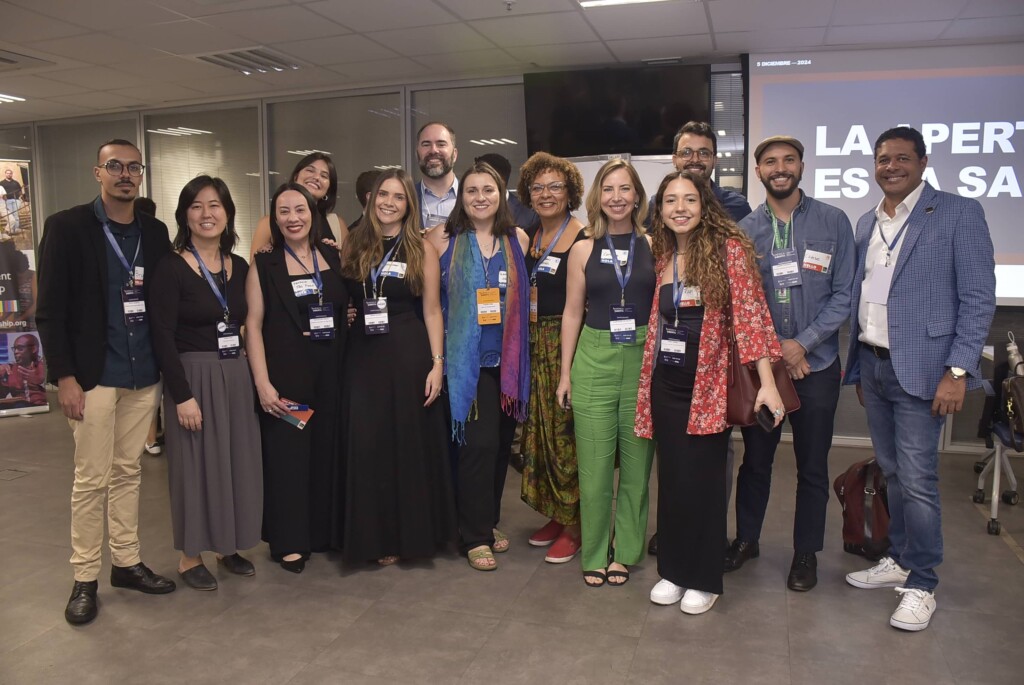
(688, 152)
(115, 167)
(556, 188)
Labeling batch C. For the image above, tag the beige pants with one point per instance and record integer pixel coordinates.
(108, 446)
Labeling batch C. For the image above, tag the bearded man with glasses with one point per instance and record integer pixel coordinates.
(94, 268)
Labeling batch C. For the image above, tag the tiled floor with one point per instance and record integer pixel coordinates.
(529, 622)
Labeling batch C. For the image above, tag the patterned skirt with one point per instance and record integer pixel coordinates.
(550, 479)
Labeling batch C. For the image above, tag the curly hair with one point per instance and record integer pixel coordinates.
(537, 164)
(595, 215)
(704, 259)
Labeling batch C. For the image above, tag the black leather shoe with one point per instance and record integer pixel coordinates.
(652, 546)
(295, 565)
(139, 577)
(237, 564)
(199, 578)
(803, 574)
(518, 461)
(82, 606)
(738, 553)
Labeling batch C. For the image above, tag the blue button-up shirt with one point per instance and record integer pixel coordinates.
(821, 303)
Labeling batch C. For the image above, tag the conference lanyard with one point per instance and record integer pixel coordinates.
(781, 238)
(221, 296)
(551, 247)
(890, 247)
(129, 268)
(486, 261)
(318, 282)
(622, 279)
(381, 268)
(677, 288)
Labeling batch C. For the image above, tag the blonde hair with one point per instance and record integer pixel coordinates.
(595, 215)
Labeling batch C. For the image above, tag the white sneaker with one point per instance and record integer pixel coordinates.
(915, 609)
(153, 448)
(666, 592)
(697, 602)
(887, 573)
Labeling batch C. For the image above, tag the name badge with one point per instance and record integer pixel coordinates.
(550, 264)
(395, 269)
(432, 220)
(689, 296)
(321, 321)
(533, 304)
(817, 261)
(622, 324)
(375, 316)
(673, 345)
(229, 342)
(488, 306)
(502, 279)
(785, 270)
(303, 287)
(622, 255)
(133, 304)
(876, 291)
(139, 274)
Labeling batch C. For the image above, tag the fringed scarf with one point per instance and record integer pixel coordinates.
(462, 341)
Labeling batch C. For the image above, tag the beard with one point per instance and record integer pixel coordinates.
(782, 194)
(436, 171)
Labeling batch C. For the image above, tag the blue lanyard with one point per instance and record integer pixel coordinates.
(623, 280)
(129, 268)
(318, 282)
(676, 287)
(221, 296)
(547, 252)
(375, 273)
(486, 261)
(890, 246)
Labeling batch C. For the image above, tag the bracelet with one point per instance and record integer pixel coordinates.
(438, 358)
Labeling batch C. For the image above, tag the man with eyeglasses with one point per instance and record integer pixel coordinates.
(94, 272)
(23, 381)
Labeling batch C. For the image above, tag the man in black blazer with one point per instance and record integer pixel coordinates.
(94, 269)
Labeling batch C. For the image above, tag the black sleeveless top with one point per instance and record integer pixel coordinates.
(551, 287)
(603, 287)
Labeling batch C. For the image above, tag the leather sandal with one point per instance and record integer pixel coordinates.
(501, 542)
(479, 556)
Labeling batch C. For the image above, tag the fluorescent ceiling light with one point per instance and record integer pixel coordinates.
(178, 131)
(7, 99)
(303, 153)
(608, 3)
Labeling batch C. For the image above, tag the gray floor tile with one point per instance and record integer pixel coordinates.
(983, 648)
(673, 662)
(201, 663)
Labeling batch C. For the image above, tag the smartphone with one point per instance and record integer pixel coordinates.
(565, 403)
(765, 418)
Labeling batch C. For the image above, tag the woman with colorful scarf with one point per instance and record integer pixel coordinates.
(485, 297)
(609, 284)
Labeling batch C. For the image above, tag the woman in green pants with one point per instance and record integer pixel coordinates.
(609, 291)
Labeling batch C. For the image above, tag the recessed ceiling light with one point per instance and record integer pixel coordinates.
(609, 3)
(303, 153)
(179, 131)
(721, 133)
(7, 99)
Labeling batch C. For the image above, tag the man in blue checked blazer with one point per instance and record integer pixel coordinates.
(924, 297)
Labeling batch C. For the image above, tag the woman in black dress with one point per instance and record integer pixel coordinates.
(398, 498)
(296, 299)
(213, 446)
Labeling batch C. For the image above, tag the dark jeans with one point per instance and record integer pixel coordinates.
(812, 438)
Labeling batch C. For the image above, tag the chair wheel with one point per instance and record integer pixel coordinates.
(994, 527)
(1011, 497)
(978, 497)
(979, 466)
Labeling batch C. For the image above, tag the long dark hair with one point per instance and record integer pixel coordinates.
(459, 220)
(229, 238)
(276, 236)
(326, 205)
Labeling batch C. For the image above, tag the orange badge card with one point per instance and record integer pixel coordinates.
(533, 304)
(488, 306)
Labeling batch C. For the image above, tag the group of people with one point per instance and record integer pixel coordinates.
(359, 387)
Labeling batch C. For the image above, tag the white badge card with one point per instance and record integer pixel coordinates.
(785, 270)
(375, 315)
(303, 287)
(134, 305)
(623, 256)
(502, 279)
(673, 345)
(689, 296)
(550, 265)
(140, 272)
(229, 342)
(321, 321)
(395, 269)
(876, 290)
(622, 324)
(817, 261)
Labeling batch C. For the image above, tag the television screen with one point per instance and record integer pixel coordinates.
(603, 111)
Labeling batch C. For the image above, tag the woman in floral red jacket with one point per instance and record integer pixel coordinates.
(684, 377)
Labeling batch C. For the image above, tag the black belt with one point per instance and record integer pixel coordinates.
(880, 352)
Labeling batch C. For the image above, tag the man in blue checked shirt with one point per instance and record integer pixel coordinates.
(807, 259)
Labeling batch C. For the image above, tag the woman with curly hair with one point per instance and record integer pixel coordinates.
(705, 266)
(553, 188)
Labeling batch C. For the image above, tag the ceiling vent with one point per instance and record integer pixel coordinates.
(252, 61)
(12, 61)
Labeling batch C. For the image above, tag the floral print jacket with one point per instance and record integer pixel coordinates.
(755, 338)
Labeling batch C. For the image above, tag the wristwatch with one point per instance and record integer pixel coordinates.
(956, 373)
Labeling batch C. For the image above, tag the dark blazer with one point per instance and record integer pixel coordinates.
(274, 281)
(72, 312)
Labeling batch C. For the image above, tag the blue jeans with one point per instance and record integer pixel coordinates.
(13, 220)
(905, 436)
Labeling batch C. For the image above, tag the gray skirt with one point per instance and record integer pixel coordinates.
(215, 474)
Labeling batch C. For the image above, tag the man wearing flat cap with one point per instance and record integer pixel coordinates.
(807, 260)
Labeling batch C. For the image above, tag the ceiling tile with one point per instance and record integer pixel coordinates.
(563, 54)
(773, 39)
(477, 9)
(536, 29)
(101, 15)
(159, 94)
(47, 109)
(185, 37)
(307, 77)
(662, 19)
(382, 15)
(98, 78)
(95, 48)
(885, 33)
(230, 86)
(276, 24)
(38, 87)
(853, 12)
(22, 26)
(637, 49)
(475, 60)
(431, 40)
(204, 8)
(337, 50)
(98, 100)
(384, 69)
(986, 28)
(173, 69)
(993, 8)
(742, 15)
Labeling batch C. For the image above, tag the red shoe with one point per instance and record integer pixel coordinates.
(565, 548)
(546, 535)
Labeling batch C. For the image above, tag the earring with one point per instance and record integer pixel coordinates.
(636, 205)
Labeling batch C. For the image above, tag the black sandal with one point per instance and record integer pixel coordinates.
(618, 574)
(600, 575)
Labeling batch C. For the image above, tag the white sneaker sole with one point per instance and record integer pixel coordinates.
(912, 627)
(539, 543)
(872, 586)
(667, 601)
(560, 560)
(696, 611)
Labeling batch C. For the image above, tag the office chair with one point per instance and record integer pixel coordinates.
(1000, 438)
